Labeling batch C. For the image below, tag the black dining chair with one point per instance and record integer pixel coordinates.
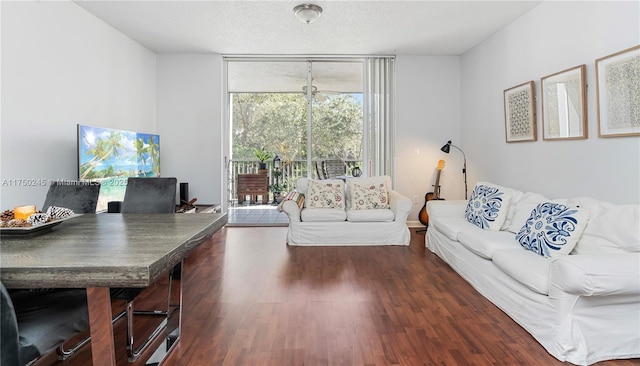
(35, 322)
(150, 195)
(142, 195)
(79, 196)
(145, 196)
(82, 198)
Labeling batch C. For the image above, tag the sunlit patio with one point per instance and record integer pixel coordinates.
(256, 215)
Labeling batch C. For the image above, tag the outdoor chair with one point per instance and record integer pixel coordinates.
(332, 168)
(318, 170)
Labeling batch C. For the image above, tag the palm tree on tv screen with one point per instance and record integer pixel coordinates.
(104, 149)
(141, 150)
(154, 151)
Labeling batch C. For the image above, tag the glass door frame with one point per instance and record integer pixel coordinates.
(227, 110)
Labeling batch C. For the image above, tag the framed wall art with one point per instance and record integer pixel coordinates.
(618, 93)
(564, 104)
(520, 113)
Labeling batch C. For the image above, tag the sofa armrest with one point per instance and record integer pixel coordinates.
(292, 210)
(441, 208)
(597, 275)
(400, 205)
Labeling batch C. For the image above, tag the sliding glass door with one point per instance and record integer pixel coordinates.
(306, 116)
(302, 111)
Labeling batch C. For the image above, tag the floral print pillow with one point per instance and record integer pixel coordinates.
(325, 194)
(370, 196)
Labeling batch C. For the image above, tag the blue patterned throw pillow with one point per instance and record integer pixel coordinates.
(553, 229)
(488, 206)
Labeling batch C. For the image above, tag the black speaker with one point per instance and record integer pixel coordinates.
(184, 192)
(114, 206)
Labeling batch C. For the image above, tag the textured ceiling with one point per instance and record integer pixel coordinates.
(345, 27)
(270, 28)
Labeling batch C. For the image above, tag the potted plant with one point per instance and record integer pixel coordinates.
(262, 156)
(278, 188)
(279, 191)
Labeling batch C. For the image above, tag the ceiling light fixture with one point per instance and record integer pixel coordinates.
(314, 89)
(307, 13)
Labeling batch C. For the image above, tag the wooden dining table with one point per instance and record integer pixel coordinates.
(100, 251)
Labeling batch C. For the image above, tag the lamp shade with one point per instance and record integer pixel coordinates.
(277, 162)
(307, 13)
(447, 147)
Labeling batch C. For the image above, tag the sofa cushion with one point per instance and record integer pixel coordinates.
(485, 243)
(373, 215)
(488, 206)
(523, 209)
(323, 214)
(553, 229)
(611, 228)
(449, 226)
(369, 196)
(526, 267)
(328, 193)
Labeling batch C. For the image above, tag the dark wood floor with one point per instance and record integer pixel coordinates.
(251, 300)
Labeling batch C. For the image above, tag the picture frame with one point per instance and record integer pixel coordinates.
(520, 113)
(617, 81)
(564, 104)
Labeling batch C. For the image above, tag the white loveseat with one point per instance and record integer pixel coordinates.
(347, 225)
(582, 307)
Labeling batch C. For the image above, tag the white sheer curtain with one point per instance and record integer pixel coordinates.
(379, 116)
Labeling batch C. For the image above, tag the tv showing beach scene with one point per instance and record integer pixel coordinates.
(110, 156)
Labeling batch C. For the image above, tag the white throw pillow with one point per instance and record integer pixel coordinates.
(370, 196)
(516, 196)
(553, 229)
(328, 193)
(612, 228)
(488, 206)
(523, 209)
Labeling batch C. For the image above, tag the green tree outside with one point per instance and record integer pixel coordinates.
(277, 122)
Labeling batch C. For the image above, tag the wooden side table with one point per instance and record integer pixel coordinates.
(253, 185)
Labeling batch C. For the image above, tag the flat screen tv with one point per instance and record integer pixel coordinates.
(110, 156)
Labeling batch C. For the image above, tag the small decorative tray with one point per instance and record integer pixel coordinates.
(10, 232)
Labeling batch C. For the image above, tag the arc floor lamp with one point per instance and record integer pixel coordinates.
(446, 149)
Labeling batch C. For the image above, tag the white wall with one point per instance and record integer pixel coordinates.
(62, 66)
(189, 122)
(553, 36)
(427, 116)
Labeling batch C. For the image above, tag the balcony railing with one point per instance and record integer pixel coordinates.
(290, 173)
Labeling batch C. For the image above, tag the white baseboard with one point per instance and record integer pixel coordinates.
(415, 224)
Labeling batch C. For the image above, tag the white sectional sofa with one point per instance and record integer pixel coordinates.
(333, 218)
(583, 305)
